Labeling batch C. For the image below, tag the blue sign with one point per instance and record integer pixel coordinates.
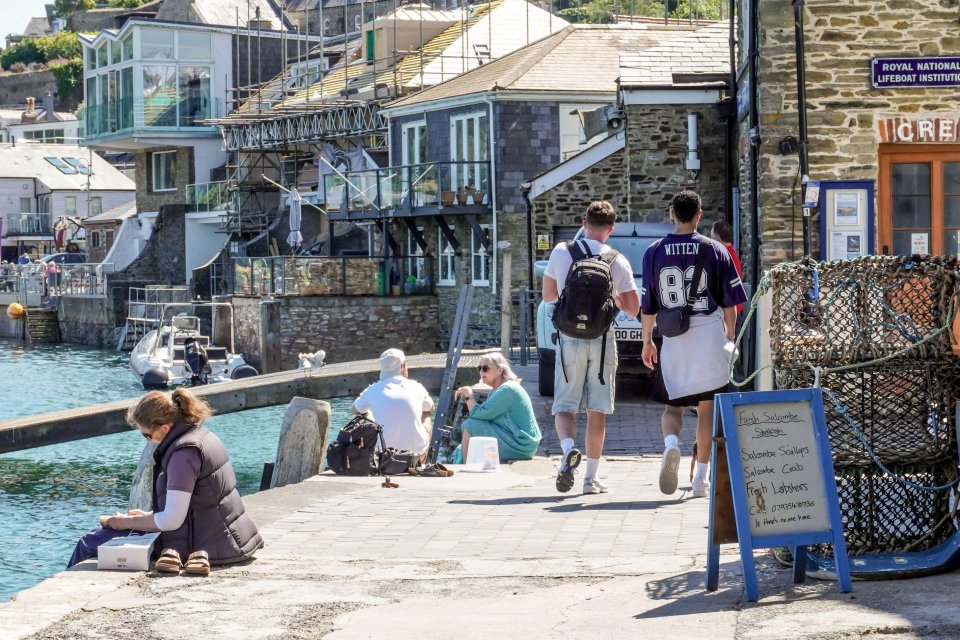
(915, 72)
(782, 484)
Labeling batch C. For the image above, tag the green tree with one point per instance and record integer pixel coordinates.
(127, 4)
(602, 11)
(68, 74)
(60, 45)
(66, 7)
(25, 52)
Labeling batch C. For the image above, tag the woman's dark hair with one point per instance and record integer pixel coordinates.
(723, 231)
(157, 408)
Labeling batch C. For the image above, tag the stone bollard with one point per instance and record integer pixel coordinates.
(141, 491)
(303, 441)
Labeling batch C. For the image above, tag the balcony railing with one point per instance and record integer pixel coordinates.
(419, 189)
(22, 224)
(210, 196)
(163, 113)
(74, 280)
(326, 276)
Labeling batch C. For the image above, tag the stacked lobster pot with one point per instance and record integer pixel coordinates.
(875, 333)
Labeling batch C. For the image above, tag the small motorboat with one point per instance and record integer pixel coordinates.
(177, 353)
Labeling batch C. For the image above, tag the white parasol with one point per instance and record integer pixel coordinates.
(295, 239)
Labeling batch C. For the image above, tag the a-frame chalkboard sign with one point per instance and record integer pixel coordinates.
(781, 481)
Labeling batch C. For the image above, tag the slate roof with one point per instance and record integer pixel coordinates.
(675, 64)
(579, 58)
(117, 214)
(29, 161)
(220, 12)
(37, 27)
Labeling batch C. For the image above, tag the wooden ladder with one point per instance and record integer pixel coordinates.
(42, 325)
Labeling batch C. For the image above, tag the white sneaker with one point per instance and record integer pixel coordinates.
(701, 488)
(594, 485)
(668, 469)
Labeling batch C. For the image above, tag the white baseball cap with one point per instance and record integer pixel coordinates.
(390, 362)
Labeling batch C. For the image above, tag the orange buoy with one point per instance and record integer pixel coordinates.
(15, 311)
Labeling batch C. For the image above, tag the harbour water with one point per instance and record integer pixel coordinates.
(49, 496)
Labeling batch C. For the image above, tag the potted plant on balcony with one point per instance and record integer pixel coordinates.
(466, 194)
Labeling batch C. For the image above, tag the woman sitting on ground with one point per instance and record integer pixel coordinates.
(197, 507)
(506, 415)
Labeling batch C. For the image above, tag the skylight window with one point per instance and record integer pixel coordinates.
(60, 164)
(80, 165)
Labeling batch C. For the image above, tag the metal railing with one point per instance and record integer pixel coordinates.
(405, 188)
(333, 276)
(29, 223)
(75, 280)
(210, 196)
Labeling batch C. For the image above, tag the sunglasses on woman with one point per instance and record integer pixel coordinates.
(483, 368)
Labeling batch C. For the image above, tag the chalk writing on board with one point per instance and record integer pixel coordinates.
(781, 468)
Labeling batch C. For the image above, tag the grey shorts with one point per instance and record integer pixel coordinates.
(580, 389)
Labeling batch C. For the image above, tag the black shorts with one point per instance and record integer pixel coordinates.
(660, 394)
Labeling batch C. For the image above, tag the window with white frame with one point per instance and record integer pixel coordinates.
(96, 205)
(416, 265)
(469, 151)
(164, 170)
(482, 258)
(446, 270)
(326, 26)
(26, 205)
(70, 205)
(357, 22)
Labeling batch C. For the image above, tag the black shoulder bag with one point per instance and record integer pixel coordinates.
(675, 322)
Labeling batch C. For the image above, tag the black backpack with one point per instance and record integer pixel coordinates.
(354, 453)
(586, 308)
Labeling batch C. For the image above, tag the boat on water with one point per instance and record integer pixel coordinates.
(176, 352)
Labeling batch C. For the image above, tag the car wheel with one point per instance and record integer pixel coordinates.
(545, 372)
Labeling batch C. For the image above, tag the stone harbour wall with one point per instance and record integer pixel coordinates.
(346, 327)
(842, 107)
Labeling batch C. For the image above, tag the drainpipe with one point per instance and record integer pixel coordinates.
(492, 150)
(526, 186)
(802, 116)
(754, 135)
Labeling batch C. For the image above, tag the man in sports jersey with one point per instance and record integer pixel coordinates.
(693, 365)
(577, 378)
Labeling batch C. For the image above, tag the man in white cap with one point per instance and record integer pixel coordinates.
(400, 405)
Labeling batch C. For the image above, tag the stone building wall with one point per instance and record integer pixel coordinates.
(346, 327)
(842, 107)
(149, 200)
(641, 179)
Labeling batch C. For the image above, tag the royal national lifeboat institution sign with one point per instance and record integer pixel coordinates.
(915, 72)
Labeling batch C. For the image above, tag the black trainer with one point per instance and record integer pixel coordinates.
(569, 462)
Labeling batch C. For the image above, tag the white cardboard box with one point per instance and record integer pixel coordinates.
(131, 553)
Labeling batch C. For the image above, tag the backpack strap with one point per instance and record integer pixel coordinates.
(698, 270)
(579, 250)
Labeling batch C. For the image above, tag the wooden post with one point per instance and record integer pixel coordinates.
(270, 354)
(505, 300)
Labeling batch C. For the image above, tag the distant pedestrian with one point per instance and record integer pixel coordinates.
(586, 368)
(693, 365)
(24, 259)
(722, 232)
(196, 505)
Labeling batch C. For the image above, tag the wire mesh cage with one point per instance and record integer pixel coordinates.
(875, 330)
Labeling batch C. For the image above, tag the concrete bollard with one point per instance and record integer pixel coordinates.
(303, 441)
(141, 490)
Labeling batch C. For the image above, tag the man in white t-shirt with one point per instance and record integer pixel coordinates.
(400, 405)
(578, 385)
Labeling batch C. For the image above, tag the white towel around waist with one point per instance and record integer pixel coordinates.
(696, 362)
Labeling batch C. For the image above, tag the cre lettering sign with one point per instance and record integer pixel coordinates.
(780, 475)
(900, 129)
(915, 72)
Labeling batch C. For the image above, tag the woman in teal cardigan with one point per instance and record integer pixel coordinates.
(506, 415)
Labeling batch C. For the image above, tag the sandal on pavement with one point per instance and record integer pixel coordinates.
(434, 471)
(440, 467)
(168, 562)
(197, 564)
